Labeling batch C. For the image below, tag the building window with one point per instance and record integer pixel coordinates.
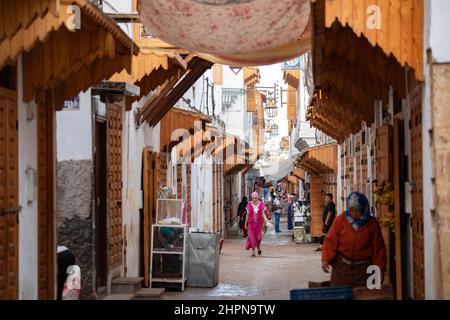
(230, 97)
(274, 130)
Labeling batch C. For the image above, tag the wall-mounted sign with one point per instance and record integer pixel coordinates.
(72, 104)
(294, 64)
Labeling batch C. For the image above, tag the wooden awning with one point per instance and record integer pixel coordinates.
(332, 118)
(254, 100)
(349, 72)
(225, 148)
(247, 168)
(238, 163)
(318, 160)
(183, 120)
(55, 58)
(299, 173)
(292, 179)
(292, 78)
(252, 76)
(151, 68)
(235, 156)
(173, 90)
(23, 24)
(394, 26)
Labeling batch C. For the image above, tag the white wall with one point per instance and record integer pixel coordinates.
(74, 131)
(437, 26)
(231, 80)
(439, 30)
(235, 118)
(133, 142)
(121, 6)
(201, 196)
(28, 222)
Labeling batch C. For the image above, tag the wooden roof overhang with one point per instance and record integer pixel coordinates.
(318, 160)
(350, 73)
(399, 32)
(192, 144)
(55, 58)
(19, 28)
(292, 179)
(232, 151)
(150, 69)
(252, 76)
(239, 161)
(172, 90)
(292, 78)
(247, 168)
(332, 118)
(179, 124)
(299, 173)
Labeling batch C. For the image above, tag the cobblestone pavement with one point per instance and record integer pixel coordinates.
(284, 265)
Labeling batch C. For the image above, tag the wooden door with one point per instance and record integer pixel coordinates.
(114, 184)
(384, 173)
(101, 205)
(397, 151)
(149, 192)
(180, 181)
(188, 193)
(9, 201)
(316, 196)
(214, 197)
(46, 123)
(417, 193)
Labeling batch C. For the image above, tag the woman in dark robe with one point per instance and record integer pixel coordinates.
(242, 212)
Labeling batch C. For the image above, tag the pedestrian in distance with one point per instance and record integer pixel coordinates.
(328, 215)
(255, 220)
(354, 243)
(290, 212)
(276, 210)
(242, 214)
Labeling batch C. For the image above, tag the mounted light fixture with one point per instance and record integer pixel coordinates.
(271, 106)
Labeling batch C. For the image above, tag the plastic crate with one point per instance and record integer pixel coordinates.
(324, 293)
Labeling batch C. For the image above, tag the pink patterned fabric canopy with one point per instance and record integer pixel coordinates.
(245, 32)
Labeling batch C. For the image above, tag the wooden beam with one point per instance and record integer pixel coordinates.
(398, 235)
(196, 67)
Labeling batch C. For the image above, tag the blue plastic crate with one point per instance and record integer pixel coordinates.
(325, 293)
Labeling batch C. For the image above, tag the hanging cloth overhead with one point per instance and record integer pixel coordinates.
(234, 32)
(278, 169)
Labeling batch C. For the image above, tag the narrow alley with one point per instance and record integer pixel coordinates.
(140, 140)
(283, 266)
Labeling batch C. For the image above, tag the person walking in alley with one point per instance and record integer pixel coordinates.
(65, 259)
(329, 213)
(276, 210)
(268, 209)
(256, 218)
(242, 214)
(353, 243)
(290, 212)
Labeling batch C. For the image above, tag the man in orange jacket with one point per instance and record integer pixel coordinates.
(353, 243)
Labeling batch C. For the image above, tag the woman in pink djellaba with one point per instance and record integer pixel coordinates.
(255, 221)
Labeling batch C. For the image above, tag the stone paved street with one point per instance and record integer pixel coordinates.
(283, 266)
